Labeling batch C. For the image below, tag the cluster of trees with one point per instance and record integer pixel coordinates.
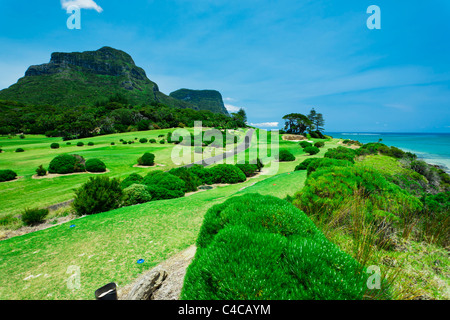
(114, 115)
(297, 123)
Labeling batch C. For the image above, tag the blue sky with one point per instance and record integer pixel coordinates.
(269, 57)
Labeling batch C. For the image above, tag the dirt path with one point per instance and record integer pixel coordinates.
(240, 148)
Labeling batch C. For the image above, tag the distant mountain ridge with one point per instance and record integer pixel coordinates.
(83, 78)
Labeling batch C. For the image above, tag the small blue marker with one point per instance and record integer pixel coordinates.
(73, 226)
(140, 261)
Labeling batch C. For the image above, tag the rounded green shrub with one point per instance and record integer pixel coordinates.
(133, 178)
(285, 156)
(20, 150)
(34, 216)
(80, 144)
(65, 163)
(148, 160)
(311, 150)
(152, 140)
(136, 194)
(90, 143)
(319, 144)
(99, 194)
(7, 175)
(143, 140)
(162, 141)
(163, 185)
(226, 173)
(286, 256)
(305, 144)
(95, 165)
(54, 145)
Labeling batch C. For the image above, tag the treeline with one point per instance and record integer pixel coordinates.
(297, 123)
(115, 115)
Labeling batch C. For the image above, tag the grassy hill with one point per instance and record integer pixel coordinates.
(105, 247)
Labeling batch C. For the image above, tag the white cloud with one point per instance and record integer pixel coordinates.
(82, 4)
(230, 99)
(232, 108)
(265, 124)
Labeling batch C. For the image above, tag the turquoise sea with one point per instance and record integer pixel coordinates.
(433, 148)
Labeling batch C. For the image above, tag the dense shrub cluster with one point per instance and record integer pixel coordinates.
(7, 175)
(435, 223)
(258, 247)
(133, 178)
(341, 153)
(163, 185)
(65, 163)
(327, 188)
(99, 194)
(317, 163)
(136, 194)
(317, 135)
(226, 173)
(380, 148)
(248, 169)
(304, 164)
(203, 174)
(20, 150)
(192, 182)
(54, 145)
(352, 142)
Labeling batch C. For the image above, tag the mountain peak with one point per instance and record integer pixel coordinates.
(105, 61)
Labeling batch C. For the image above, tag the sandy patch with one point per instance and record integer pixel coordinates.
(6, 234)
(56, 175)
(16, 179)
(293, 137)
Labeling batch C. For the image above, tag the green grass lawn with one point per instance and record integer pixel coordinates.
(106, 247)
(119, 159)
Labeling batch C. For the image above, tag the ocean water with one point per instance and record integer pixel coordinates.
(433, 148)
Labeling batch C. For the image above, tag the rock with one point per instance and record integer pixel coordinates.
(147, 285)
(165, 281)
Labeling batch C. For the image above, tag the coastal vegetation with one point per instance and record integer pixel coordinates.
(357, 204)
